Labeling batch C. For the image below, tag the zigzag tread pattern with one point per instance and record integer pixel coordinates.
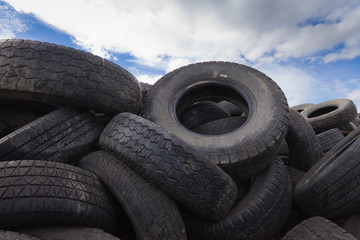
(48, 135)
(167, 162)
(42, 190)
(154, 214)
(46, 69)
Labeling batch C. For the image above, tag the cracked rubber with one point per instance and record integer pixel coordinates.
(242, 153)
(154, 215)
(259, 215)
(318, 228)
(170, 164)
(41, 192)
(63, 135)
(40, 71)
(331, 187)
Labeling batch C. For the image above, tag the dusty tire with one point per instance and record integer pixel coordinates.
(40, 71)
(10, 235)
(318, 228)
(331, 187)
(41, 192)
(304, 148)
(329, 138)
(58, 232)
(301, 107)
(259, 215)
(200, 113)
(330, 114)
(244, 152)
(154, 215)
(63, 135)
(170, 164)
(234, 110)
(295, 175)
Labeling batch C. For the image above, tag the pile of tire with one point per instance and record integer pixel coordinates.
(210, 151)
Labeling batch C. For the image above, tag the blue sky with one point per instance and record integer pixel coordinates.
(310, 48)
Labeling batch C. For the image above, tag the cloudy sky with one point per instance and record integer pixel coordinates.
(311, 48)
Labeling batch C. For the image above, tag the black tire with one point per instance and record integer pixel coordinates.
(62, 136)
(304, 148)
(301, 107)
(58, 232)
(170, 164)
(330, 114)
(154, 215)
(318, 228)
(200, 113)
(234, 110)
(41, 192)
(40, 71)
(330, 188)
(259, 215)
(295, 175)
(243, 152)
(10, 235)
(12, 118)
(329, 138)
(220, 126)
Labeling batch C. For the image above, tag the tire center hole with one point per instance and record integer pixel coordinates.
(322, 111)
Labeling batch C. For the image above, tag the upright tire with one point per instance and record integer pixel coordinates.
(170, 164)
(40, 71)
(247, 150)
(154, 215)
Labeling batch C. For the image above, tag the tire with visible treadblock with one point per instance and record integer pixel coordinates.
(244, 152)
(45, 72)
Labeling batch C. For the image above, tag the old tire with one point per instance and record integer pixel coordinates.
(63, 135)
(330, 114)
(41, 192)
(331, 187)
(170, 164)
(154, 215)
(304, 148)
(259, 215)
(45, 72)
(318, 228)
(220, 126)
(244, 152)
(200, 113)
(329, 138)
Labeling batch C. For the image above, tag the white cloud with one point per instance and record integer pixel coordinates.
(162, 33)
(10, 23)
(145, 78)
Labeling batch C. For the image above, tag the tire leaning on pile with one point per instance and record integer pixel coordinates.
(243, 152)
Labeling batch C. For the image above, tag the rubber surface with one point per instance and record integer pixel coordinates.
(304, 148)
(330, 114)
(63, 136)
(329, 138)
(318, 228)
(45, 72)
(330, 188)
(242, 153)
(220, 126)
(259, 215)
(10, 235)
(58, 232)
(154, 215)
(170, 164)
(40, 192)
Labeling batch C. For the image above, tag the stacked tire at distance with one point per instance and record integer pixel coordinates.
(210, 151)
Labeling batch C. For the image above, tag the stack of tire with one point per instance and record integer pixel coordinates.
(210, 151)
